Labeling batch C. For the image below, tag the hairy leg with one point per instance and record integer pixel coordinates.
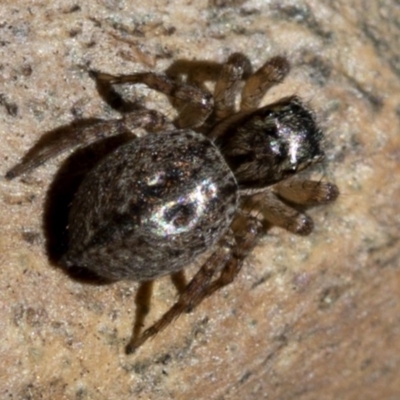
(83, 135)
(227, 86)
(247, 230)
(280, 214)
(270, 74)
(307, 192)
(299, 191)
(199, 103)
(192, 291)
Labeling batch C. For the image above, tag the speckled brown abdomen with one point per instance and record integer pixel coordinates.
(151, 207)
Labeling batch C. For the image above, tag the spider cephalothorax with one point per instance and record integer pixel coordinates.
(271, 143)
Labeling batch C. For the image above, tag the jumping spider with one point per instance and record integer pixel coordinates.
(210, 181)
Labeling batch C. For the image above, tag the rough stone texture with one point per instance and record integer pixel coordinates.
(308, 318)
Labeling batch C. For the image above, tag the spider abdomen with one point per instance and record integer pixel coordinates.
(151, 207)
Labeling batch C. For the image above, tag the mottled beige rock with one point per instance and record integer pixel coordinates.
(308, 318)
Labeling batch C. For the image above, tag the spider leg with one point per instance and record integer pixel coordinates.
(246, 235)
(233, 71)
(199, 103)
(228, 258)
(299, 191)
(280, 214)
(270, 74)
(62, 140)
(307, 192)
(195, 287)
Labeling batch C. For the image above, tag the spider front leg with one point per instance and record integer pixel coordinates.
(298, 191)
(227, 259)
(307, 192)
(73, 136)
(198, 102)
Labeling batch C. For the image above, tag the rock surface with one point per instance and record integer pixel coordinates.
(308, 318)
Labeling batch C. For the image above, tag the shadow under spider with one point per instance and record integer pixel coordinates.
(62, 191)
